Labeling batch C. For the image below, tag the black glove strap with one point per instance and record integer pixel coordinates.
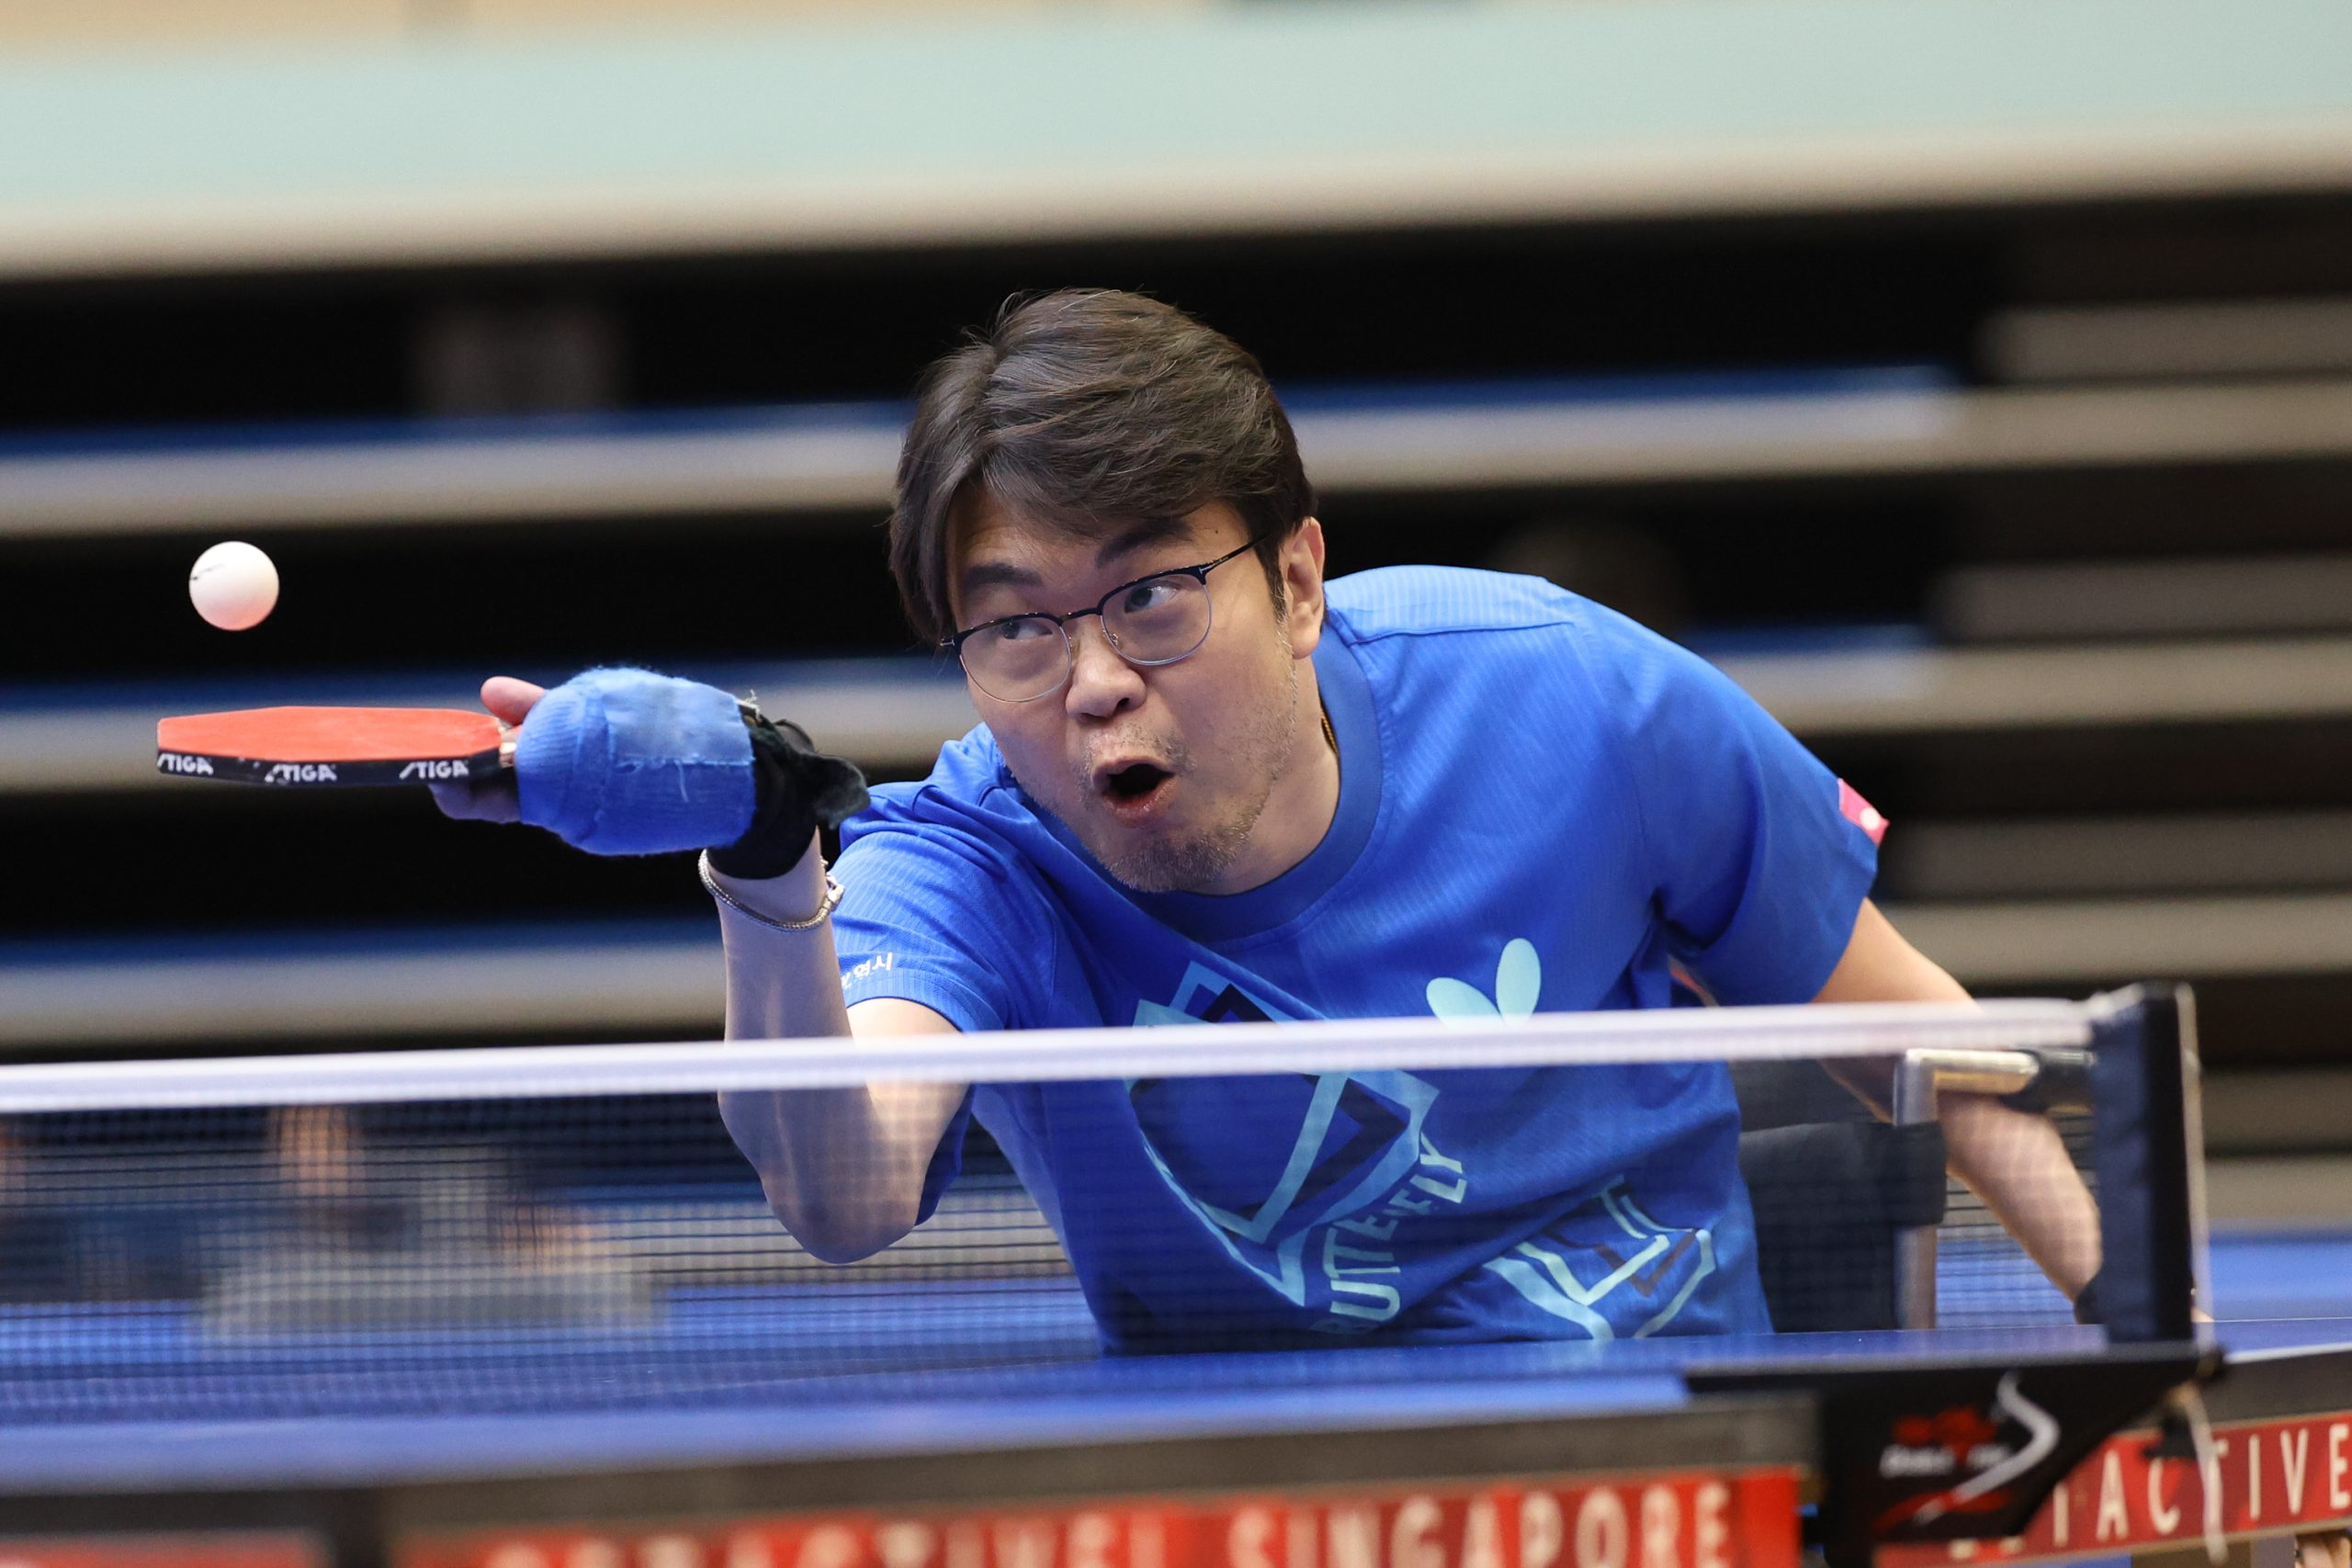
(797, 790)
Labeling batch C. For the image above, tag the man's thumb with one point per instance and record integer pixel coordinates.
(509, 698)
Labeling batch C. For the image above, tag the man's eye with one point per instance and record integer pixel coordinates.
(1157, 595)
(1028, 628)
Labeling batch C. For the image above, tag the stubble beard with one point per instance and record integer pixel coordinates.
(1191, 863)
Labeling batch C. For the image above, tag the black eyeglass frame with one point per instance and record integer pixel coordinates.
(1199, 574)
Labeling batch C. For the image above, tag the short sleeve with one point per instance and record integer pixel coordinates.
(933, 913)
(1758, 862)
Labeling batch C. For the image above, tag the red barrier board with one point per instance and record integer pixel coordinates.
(151, 1550)
(1740, 1520)
(2271, 1477)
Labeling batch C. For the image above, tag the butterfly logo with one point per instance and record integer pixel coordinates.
(1519, 981)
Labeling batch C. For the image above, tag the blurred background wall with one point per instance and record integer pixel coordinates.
(1971, 379)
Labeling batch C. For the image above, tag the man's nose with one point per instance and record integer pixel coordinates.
(1100, 683)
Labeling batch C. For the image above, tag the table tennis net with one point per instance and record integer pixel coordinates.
(543, 1230)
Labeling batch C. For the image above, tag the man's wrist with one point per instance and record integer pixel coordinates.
(797, 899)
(797, 789)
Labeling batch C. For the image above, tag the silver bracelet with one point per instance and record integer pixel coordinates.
(824, 907)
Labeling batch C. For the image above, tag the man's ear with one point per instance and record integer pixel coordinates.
(1302, 563)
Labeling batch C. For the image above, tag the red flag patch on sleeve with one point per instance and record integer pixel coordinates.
(1860, 812)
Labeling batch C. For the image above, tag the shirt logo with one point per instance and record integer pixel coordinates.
(880, 964)
(1616, 1247)
(1206, 997)
(1860, 812)
(1303, 1179)
(1519, 982)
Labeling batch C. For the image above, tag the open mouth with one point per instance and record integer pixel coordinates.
(1135, 782)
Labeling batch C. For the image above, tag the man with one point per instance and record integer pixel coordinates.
(1207, 786)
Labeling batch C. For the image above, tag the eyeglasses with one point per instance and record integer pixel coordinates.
(1153, 620)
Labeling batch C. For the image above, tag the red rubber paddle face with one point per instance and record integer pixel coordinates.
(313, 747)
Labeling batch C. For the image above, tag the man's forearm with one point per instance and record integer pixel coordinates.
(781, 985)
(842, 1168)
(2013, 1160)
(2017, 1164)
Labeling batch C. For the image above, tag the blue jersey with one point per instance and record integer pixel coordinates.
(1541, 806)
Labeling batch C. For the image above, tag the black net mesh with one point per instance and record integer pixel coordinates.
(538, 1252)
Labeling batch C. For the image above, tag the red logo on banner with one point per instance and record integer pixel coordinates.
(1860, 812)
(1743, 1520)
(1958, 1432)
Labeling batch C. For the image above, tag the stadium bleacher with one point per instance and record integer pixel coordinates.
(2010, 464)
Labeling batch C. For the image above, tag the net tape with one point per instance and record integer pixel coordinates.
(1055, 1055)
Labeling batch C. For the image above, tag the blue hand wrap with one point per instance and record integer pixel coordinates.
(629, 763)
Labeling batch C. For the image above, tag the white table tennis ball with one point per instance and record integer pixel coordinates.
(233, 585)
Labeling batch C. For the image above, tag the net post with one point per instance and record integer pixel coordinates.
(2146, 1159)
(1920, 1078)
(1914, 1246)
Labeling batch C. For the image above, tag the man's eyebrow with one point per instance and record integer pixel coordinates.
(1126, 542)
(1136, 535)
(995, 574)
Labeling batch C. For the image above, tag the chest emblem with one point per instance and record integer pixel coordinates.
(1303, 1180)
(1518, 984)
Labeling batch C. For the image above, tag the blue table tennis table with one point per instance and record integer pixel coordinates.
(1009, 1416)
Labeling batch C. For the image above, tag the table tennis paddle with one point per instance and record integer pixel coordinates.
(321, 746)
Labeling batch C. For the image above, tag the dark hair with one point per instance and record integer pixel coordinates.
(1086, 409)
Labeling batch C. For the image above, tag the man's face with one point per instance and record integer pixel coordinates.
(1172, 775)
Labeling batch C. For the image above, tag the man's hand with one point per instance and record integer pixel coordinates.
(2323, 1548)
(493, 799)
(845, 1169)
(627, 761)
